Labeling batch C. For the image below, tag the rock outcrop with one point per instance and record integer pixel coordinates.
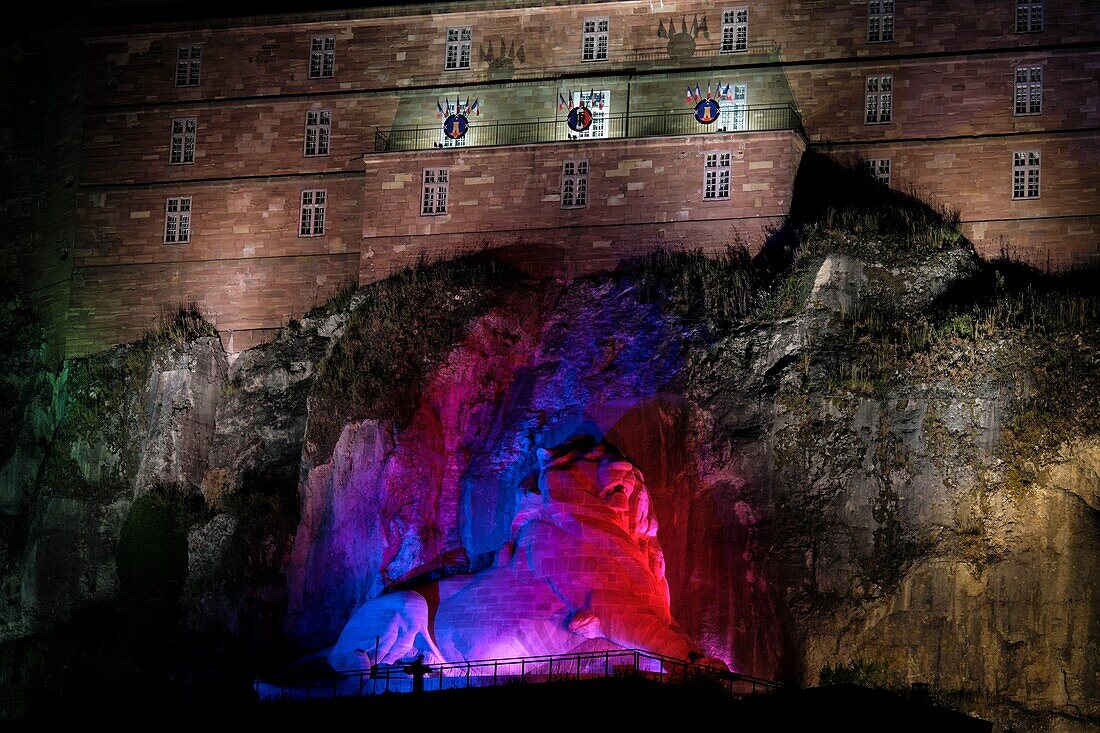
(830, 491)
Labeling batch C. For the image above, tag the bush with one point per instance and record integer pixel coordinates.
(404, 325)
(722, 289)
(859, 672)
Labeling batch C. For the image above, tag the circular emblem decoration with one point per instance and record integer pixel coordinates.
(707, 111)
(455, 126)
(580, 119)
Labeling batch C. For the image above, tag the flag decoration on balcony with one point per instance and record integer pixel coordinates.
(707, 107)
(579, 117)
(456, 116)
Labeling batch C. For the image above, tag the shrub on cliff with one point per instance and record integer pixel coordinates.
(401, 328)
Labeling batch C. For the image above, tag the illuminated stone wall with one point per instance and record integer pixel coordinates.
(952, 128)
(974, 176)
(377, 50)
(642, 194)
(245, 266)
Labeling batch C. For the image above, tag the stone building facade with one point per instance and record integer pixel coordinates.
(241, 129)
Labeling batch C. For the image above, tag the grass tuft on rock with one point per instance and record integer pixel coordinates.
(404, 325)
(720, 288)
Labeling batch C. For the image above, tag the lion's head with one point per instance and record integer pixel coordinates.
(594, 476)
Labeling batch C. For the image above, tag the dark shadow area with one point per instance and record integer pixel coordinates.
(629, 700)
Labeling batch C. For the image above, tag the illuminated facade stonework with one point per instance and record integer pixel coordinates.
(347, 102)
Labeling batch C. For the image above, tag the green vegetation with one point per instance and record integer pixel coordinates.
(336, 304)
(152, 548)
(98, 388)
(836, 210)
(721, 289)
(877, 347)
(418, 315)
(841, 210)
(860, 672)
(21, 364)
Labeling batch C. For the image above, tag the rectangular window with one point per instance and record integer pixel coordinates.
(177, 220)
(312, 220)
(458, 48)
(318, 131)
(322, 57)
(880, 99)
(880, 21)
(878, 169)
(183, 141)
(716, 179)
(735, 30)
(574, 184)
(599, 103)
(1025, 174)
(1029, 90)
(734, 112)
(594, 45)
(1029, 16)
(188, 65)
(433, 200)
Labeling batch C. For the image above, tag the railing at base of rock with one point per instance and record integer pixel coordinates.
(523, 670)
(748, 118)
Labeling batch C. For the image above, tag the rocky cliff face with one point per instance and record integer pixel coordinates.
(835, 485)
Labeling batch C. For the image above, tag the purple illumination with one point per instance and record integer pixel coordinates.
(440, 495)
(582, 563)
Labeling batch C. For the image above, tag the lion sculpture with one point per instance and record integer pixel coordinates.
(582, 564)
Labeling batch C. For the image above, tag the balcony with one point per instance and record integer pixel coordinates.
(760, 118)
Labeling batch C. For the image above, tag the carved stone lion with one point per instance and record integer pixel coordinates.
(583, 563)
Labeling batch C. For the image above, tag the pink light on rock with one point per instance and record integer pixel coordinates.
(583, 564)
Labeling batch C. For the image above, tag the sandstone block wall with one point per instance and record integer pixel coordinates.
(1059, 229)
(642, 193)
(952, 129)
(379, 50)
(245, 265)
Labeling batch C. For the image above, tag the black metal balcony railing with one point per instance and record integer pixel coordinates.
(761, 118)
(520, 670)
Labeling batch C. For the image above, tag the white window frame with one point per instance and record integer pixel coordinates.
(322, 57)
(880, 21)
(601, 114)
(1026, 173)
(177, 220)
(459, 49)
(434, 192)
(311, 216)
(717, 170)
(1028, 95)
(735, 30)
(733, 114)
(181, 149)
(595, 39)
(1029, 16)
(189, 65)
(879, 169)
(574, 183)
(879, 100)
(318, 137)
